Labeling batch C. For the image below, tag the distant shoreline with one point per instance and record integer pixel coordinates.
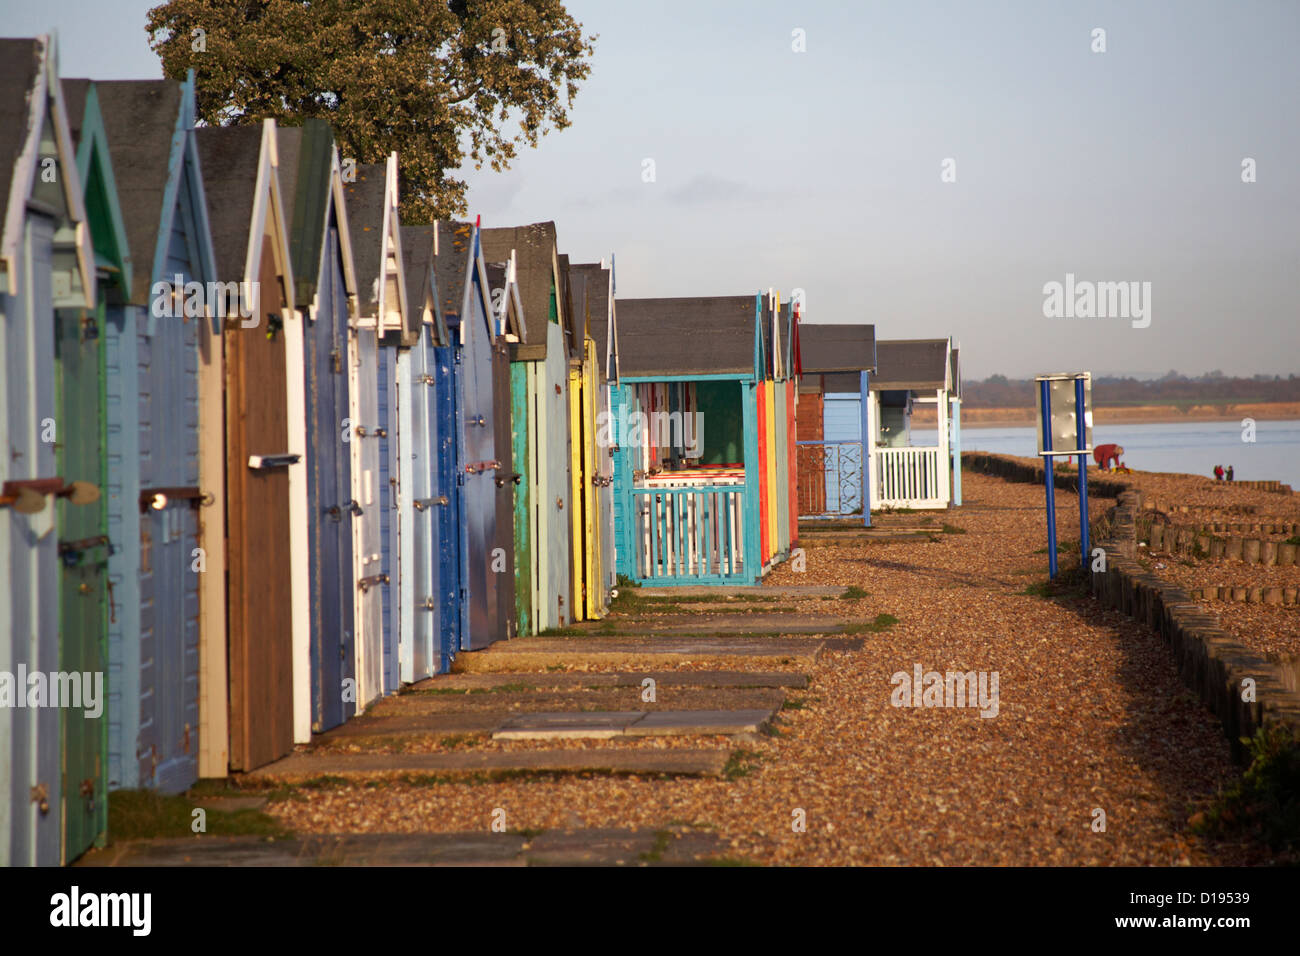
(1131, 415)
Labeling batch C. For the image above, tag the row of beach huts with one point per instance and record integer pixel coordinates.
(268, 454)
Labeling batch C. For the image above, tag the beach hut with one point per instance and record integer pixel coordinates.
(507, 317)
(46, 265)
(688, 464)
(152, 345)
(81, 453)
(322, 506)
(464, 294)
(429, 480)
(954, 422)
(591, 289)
(836, 362)
(376, 237)
(540, 423)
(904, 475)
(257, 372)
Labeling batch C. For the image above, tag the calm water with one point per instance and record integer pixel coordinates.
(1192, 448)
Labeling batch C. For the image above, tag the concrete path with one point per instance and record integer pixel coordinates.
(674, 846)
(739, 679)
(605, 726)
(539, 653)
(689, 762)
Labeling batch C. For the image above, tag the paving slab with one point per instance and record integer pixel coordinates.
(540, 653)
(673, 723)
(363, 849)
(382, 724)
(582, 847)
(755, 622)
(757, 590)
(599, 725)
(623, 679)
(691, 762)
(609, 847)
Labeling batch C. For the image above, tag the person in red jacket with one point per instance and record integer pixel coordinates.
(1106, 454)
(1218, 472)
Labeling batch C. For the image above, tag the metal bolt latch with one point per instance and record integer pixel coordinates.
(41, 797)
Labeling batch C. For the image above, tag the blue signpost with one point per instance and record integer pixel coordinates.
(1073, 426)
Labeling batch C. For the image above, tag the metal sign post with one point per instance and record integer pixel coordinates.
(1072, 428)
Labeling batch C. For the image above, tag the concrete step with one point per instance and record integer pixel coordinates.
(672, 846)
(789, 591)
(564, 681)
(540, 653)
(610, 724)
(687, 622)
(687, 762)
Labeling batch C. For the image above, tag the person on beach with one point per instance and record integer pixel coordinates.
(1230, 473)
(1218, 472)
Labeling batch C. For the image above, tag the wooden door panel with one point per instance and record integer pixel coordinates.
(260, 636)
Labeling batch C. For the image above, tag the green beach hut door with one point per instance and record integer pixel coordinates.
(83, 579)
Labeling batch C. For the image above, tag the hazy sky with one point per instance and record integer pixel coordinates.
(822, 169)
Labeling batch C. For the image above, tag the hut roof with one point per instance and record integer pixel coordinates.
(686, 336)
(591, 281)
(837, 348)
(19, 61)
(366, 198)
(918, 365)
(229, 158)
(534, 248)
(452, 263)
(139, 119)
(306, 156)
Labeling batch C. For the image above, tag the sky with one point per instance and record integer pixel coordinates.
(928, 167)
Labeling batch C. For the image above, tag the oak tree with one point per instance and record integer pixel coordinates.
(440, 82)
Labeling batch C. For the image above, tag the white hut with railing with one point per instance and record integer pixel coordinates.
(911, 372)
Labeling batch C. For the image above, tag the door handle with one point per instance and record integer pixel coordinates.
(267, 462)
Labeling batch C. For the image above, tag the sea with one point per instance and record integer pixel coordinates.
(1191, 448)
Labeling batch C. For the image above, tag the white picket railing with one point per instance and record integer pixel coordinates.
(909, 478)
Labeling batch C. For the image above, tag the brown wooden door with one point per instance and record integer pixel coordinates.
(257, 535)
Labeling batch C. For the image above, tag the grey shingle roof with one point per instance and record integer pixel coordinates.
(18, 63)
(417, 262)
(454, 240)
(686, 336)
(911, 364)
(837, 348)
(592, 302)
(228, 158)
(139, 117)
(365, 199)
(534, 247)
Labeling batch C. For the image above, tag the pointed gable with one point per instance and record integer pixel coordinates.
(36, 138)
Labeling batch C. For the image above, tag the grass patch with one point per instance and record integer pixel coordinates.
(449, 691)
(656, 852)
(793, 703)
(854, 593)
(526, 832)
(881, 622)
(560, 632)
(741, 763)
(1294, 539)
(953, 529)
(144, 814)
(1264, 805)
(1070, 583)
(453, 741)
(1062, 547)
